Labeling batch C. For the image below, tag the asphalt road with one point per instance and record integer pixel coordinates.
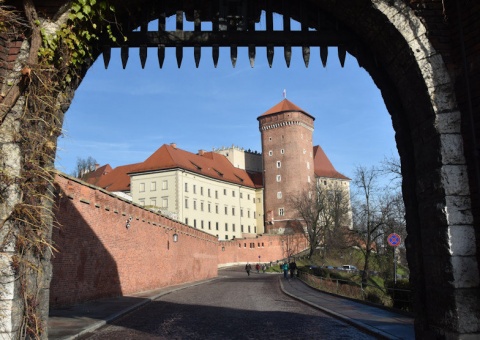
(236, 306)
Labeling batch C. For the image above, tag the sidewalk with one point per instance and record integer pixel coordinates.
(377, 321)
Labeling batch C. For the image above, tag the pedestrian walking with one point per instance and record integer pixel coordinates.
(293, 268)
(257, 267)
(285, 270)
(248, 267)
(264, 267)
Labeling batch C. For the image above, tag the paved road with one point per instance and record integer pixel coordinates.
(233, 307)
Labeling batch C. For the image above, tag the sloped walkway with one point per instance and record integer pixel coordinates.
(378, 321)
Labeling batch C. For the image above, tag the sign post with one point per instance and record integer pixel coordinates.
(394, 240)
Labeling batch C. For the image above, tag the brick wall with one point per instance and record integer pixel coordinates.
(98, 256)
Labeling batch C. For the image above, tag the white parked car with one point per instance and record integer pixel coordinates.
(349, 268)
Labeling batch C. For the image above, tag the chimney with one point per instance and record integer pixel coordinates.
(173, 145)
(96, 166)
(201, 152)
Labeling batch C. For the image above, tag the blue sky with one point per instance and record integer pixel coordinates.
(122, 116)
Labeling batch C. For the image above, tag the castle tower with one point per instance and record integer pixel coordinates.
(287, 148)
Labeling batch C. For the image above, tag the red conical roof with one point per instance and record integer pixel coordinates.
(284, 106)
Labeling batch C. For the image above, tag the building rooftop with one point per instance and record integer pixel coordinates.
(284, 106)
(322, 165)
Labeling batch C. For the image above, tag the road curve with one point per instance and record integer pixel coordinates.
(235, 306)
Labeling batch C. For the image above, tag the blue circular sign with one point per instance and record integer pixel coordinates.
(394, 240)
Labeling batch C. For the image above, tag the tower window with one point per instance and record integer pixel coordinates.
(279, 194)
(282, 151)
(270, 153)
(279, 178)
(281, 212)
(279, 164)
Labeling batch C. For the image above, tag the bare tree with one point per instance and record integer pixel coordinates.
(377, 211)
(84, 166)
(323, 210)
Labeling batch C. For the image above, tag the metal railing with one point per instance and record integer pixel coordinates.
(399, 298)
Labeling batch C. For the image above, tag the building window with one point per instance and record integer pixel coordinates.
(308, 165)
(201, 206)
(279, 194)
(225, 192)
(279, 178)
(255, 231)
(324, 182)
(201, 191)
(233, 193)
(194, 189)
(186, 220)
(248, 213)
(226, 237)
(201, 224)
(269, 138)
(248, 197)
(233, 211)
(142, 187)
(141, 201)
(270, 153)
(186, 203)
(216, 208)
(216, 226)
(241, 212)
(279, 164)
(226, 210)
(153, 186)
(241, 195)
(209, 225)
(194, 204)
(233, 227)
(164, 202)
(209, 207)
(216, 193)
(241, 228)
(153, 202)
(186, 187)
(226, 226)
(249, 229)
(259, 200)
(194, 223)
(282, 151)
(281, 212)
(208, 192)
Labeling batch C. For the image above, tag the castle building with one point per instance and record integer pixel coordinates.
(230, 192)
(290, 163)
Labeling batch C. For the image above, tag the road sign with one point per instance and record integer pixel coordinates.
(394, 240)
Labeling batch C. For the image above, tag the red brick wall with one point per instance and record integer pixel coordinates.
(270, 248)
(99, 257)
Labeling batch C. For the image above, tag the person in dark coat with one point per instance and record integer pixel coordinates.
(248, 267)
(293, 267)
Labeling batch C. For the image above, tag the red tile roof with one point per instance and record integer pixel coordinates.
(209, 164)
(117, 179)
(284, 106)
(322, 165)
(94, 176)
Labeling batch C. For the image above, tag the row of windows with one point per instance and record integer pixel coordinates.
(153, 186)
(209, 192)
(208, 225)
(252, 245)
(217, 209)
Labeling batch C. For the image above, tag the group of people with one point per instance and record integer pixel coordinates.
(289, 267)
(248, 268)
(285, 267)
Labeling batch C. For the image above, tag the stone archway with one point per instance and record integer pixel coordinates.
(398, 53)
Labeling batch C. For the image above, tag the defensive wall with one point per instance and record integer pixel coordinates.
(107, 246)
